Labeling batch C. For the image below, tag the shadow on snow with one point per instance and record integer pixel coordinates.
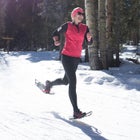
(127, 75)
(88, 130)
(37, 56)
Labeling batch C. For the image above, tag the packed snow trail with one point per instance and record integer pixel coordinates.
(28, 114)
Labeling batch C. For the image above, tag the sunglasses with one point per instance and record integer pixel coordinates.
(79, 13)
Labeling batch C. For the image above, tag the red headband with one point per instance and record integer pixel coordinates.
(76, 10)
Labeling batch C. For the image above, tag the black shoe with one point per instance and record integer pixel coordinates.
(48, 87)
(78, 115)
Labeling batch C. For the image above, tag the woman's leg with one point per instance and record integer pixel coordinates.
(60, 81)
(70, 65)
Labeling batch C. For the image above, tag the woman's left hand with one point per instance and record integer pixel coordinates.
(89, 37)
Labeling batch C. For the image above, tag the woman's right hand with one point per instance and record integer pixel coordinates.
(89, 37)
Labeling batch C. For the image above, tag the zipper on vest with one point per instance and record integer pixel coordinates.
(77, 26)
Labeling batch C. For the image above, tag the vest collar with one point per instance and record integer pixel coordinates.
(76, 24)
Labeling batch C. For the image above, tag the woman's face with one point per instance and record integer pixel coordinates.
(78, 18)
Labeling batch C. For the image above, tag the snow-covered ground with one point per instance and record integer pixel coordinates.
(28, 114)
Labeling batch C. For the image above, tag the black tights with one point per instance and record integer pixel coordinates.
(70, 66)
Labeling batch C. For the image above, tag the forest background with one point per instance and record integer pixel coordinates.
(27, 25)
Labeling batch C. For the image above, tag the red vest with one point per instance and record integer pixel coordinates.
(74, 38)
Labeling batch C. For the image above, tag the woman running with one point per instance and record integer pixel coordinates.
(75, 33)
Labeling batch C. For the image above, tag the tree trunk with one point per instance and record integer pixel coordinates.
(117, 35)
(136, 20)
(109, 31)
(102, 34)
(139, 22)
(2, 16)
(91, 8)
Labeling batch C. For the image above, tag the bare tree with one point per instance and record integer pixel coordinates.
(117, 34)
(2, 16)
(91, 7)
(102, 33)
(109, 31)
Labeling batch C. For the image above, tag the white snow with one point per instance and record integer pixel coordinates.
(28, 114)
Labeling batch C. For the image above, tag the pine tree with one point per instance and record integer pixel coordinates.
(24, 21)
(135, 14)
(129, 19)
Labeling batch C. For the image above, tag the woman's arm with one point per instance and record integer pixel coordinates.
(57, 32)
(88, 37)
